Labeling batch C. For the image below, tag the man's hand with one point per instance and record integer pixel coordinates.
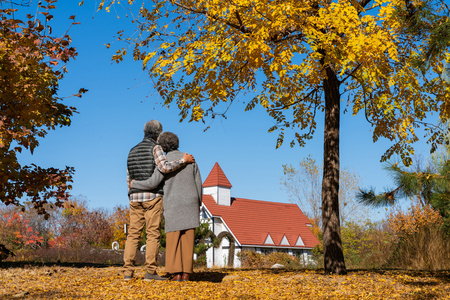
(188, 158)
(130, 185)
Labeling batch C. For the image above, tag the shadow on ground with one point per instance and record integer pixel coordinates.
(210, 276)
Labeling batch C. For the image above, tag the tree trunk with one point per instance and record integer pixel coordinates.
(333, 255)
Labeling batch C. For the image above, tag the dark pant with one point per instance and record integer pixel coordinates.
(180, 251)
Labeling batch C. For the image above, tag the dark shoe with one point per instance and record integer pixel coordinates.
(150, 277)
(185, 277)
(177, 277)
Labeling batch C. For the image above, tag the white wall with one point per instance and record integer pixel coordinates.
(237, 261)
(221, 195)
(220, 255)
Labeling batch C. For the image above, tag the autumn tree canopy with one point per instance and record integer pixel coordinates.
(298, 58)
(32, 62)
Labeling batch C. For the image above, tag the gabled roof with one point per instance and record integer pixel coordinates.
(252, 221)
(217, 178)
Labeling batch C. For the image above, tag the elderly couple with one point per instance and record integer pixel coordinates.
(150, 176)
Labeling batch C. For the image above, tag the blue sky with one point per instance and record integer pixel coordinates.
(121, 99)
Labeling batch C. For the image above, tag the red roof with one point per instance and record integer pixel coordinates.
(251, 221)
(217, 178)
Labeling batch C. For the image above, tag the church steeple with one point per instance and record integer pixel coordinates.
(218, 186)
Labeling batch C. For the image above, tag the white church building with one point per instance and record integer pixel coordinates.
(255, 225)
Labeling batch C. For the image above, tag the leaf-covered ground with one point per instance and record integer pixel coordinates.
(64, 282)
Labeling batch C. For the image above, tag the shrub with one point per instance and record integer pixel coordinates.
(251, 259)
(366, 245)
(16, 232)
(200, 262)
(420, 241)
(79, 227)
(425, 249)
(288, 261)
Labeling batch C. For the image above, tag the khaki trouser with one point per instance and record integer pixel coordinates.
(180, 251)
(148, 213)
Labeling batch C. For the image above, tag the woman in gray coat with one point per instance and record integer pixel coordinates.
(182, 199)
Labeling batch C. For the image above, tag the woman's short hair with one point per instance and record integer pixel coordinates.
(168, 141)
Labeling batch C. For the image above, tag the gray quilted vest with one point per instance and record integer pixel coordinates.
(141, 164)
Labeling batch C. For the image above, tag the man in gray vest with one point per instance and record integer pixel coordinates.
(146, 207)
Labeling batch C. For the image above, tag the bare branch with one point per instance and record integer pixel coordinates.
(205, 12)
(296, 102)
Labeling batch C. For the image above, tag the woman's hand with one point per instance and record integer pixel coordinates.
(130, 185)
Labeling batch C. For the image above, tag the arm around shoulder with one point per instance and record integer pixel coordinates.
(150, 183)
(163, 164)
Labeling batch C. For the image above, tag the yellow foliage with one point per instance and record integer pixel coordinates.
(315, 228)
(224, 47)
(417, 216)
(107, 283)
(74, 207)
(118, 219)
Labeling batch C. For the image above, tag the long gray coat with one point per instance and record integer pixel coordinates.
(182, 194)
